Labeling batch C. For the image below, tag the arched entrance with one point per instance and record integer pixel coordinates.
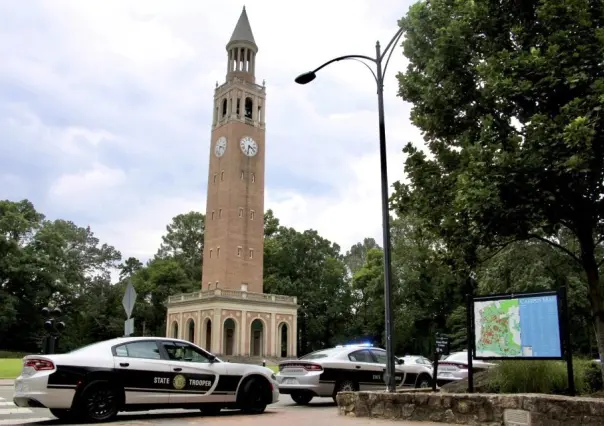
(228, 337)
(175, 330)
(257, 338)
(208, 335)
(283, 332)
(191, 331)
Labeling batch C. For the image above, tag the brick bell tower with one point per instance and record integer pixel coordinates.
(231, 315)
(234, 234)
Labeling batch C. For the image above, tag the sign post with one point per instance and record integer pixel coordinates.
(128, 302)
(440, 348)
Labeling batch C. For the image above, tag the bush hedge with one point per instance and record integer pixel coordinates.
(548, 377)
(12, 355)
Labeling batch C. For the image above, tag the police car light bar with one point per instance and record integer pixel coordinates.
(356, 345)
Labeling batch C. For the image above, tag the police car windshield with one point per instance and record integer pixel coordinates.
(321, 354)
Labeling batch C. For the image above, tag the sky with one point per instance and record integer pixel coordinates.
(106, 108)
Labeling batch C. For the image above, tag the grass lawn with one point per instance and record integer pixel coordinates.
(10, 368)
(275, 368)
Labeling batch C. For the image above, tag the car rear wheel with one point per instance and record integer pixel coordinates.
(99, 402)
(302, 398)
(423, 381)
(62, 413)
(344, 386)
(253, 397)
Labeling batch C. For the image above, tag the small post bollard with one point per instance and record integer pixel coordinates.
(264, 363)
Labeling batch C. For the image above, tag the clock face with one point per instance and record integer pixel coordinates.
(248, 146)
(220, 146)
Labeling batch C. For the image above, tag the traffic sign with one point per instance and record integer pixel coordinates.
(129, 299)
(129, 327)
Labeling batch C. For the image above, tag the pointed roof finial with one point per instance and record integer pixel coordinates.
(243, 30)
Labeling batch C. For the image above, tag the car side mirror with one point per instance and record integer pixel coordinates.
(400, 361)
(211, 357)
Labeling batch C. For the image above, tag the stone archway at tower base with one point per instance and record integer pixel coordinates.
(236, 323)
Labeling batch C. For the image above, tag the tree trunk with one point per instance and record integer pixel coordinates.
(595, 292)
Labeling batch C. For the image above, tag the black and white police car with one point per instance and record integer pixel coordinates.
(95, 382)
(326, 372)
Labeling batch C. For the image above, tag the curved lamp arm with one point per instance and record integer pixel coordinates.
(307, 77)
(392, 45)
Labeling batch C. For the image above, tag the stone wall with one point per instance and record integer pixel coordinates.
(474, 409)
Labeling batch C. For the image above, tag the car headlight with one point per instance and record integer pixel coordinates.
(273, 377)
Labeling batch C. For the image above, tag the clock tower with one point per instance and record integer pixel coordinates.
(234, 234)
(231, 315)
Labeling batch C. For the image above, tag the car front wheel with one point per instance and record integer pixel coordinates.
(302, 398)
(253, 398)
(424, 381)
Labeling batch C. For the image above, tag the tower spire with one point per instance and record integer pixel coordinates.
(243, 30)
(242, 50)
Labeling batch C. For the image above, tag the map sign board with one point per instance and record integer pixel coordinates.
(525, 326)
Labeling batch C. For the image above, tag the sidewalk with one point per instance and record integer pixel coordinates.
(295, 417)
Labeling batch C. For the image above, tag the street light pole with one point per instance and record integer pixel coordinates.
(378, 75)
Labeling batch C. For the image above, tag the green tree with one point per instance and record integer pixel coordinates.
(305, 265)
(368, 293)
(356, 257)
(184, 242)
(129, 267)
(509, 97)
(46, 263)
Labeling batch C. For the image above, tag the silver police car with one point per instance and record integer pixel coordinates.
(326, 372)
(95, 382)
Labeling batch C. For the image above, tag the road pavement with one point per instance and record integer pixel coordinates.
(321, 412)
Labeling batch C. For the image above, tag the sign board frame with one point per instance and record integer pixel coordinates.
(526, 295)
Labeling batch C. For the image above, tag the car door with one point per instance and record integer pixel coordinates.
(194, 376)
(146, 377)
(368, 373)
(380, 358)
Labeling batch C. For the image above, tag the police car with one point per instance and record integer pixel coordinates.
(326, 372)
(95, 382)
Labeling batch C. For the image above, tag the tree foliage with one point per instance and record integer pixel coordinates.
(509, 99)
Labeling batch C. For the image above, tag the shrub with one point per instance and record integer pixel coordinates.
(546, 377)
(12, 355)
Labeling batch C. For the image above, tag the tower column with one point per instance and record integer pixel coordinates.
(244, 349)
(273, 333)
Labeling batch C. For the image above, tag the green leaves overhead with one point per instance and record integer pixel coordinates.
(508, 96)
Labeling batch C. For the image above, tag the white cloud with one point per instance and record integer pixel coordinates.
(105, 110)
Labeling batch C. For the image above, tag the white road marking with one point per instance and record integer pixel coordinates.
(25, 421)
(5, 411)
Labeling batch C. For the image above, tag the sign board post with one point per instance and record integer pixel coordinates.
(440, 348)
(128, 302)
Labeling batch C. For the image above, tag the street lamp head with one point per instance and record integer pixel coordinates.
(45, 312)
(306, 78)
(56, 312)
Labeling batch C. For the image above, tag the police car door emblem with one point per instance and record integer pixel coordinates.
(179, 382)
